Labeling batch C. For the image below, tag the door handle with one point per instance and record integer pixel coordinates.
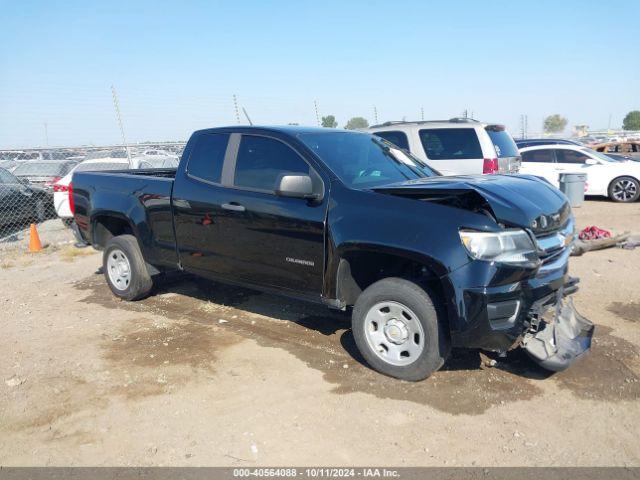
(233, 206)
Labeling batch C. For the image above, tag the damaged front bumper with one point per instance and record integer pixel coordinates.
(559, 335)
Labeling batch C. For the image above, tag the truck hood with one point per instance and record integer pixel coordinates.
(518, 200)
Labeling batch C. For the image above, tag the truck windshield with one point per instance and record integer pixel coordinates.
(362, 161)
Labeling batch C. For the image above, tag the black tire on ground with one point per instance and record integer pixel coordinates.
(429, 310)
(631, 184)
(140, 282)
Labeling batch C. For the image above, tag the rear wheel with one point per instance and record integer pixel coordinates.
(125, 269)
(398, 329)
(624, 189)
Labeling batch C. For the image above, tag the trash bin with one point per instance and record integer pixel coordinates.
(572, 185)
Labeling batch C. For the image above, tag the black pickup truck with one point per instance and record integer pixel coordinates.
(426, 262)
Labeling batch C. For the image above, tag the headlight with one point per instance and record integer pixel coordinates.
(507, 246)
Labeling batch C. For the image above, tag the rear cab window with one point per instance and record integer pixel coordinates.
(502, 141)
(396, 137)
(207, 157)
(450, 143)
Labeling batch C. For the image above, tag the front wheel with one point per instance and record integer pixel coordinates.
(399, 330)
(125, 269)
(624, 189)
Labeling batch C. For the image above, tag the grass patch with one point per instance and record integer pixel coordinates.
(69, 253)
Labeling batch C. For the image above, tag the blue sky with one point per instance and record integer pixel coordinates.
(176, 64)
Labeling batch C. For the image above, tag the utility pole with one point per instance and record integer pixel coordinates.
(315, 104)
(46, 134)
(524, 126)
(235, 106)
(375, 114)
(247, 115)
(119, 117)
(422, 113)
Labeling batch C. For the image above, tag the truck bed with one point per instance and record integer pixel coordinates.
(141, 197)
(142, 172)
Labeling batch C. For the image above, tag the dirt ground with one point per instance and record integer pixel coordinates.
(204, 374)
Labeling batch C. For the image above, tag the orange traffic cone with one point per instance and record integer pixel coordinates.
(34, 239)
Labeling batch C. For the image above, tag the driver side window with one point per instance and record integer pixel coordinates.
(261, 161)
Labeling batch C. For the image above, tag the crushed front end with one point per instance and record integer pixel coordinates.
(499, 307)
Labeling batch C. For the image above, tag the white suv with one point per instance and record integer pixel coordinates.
(458, 146)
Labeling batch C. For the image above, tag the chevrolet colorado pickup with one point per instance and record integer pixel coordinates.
(347, 219)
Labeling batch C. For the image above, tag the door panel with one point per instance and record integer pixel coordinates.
(277, 241)
(273, 241)
(540, 163)
(197, 200)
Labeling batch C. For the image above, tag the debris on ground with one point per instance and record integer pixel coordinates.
(583, 246)
(593, 233)
(631, 243)
(15, 381)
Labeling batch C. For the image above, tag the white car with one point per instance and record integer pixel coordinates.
(155, 162)
(618, 180)
(62, 189)
(458, 146)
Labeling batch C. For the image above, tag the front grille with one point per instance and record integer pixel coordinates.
(555, 246)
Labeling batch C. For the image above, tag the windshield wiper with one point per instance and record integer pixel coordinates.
(387, 151)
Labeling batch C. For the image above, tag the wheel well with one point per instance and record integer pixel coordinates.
(358, 270)
(623, 176)
(106, 227)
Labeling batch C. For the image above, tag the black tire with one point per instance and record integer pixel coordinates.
(625, 197)
(140, 283)
(428, 309)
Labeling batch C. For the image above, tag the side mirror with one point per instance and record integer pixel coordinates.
(591, 161)
(295, 186)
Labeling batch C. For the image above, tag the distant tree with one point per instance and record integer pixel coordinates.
(632, 120)
(554, 123)
(356, 122)
(329, 121)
